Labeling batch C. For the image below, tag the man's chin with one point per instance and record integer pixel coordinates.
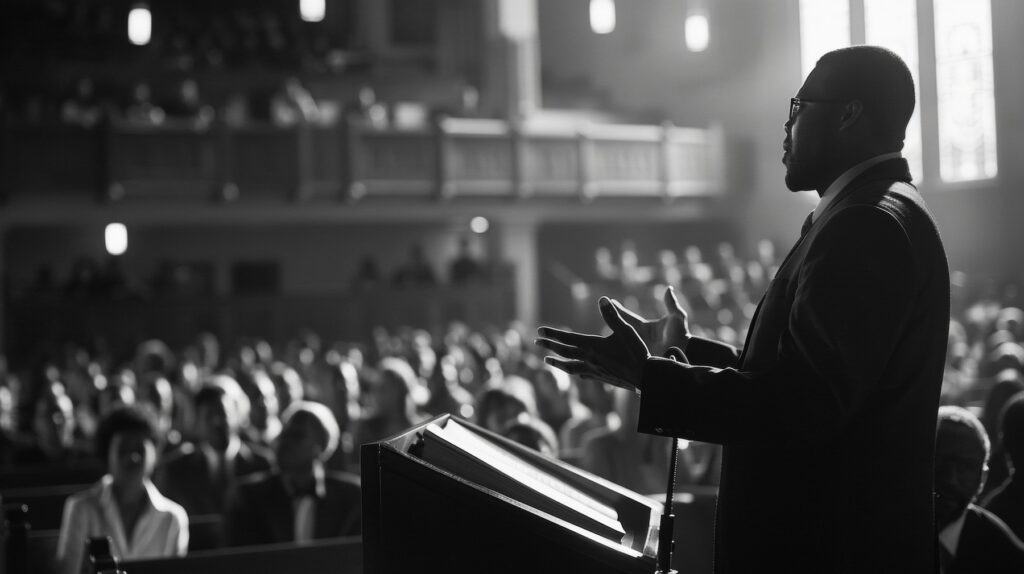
(796, 181)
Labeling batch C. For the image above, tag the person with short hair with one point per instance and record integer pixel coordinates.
(1007, 500)
(124, 504)
(300, 500)
(199, 475)
(971, 539)
(827, 415)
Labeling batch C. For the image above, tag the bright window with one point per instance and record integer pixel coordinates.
(966, 100)
(824, 26)
(893, 24)
(964, 116)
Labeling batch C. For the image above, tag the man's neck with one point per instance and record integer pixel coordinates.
(848, 163)
(129, 493)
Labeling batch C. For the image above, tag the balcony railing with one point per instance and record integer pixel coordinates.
(354, 160)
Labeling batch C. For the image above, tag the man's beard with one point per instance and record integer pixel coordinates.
(948, 508)
(804, 175)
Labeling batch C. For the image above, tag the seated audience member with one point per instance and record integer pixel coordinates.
(416, 271)
(446, 394)
(299, 501)
(287, 383)
(497, 410)
(199, 475)
(124, 504)
(187, 105)
(294, 104)
(83, 108)
(634, 460)
(971, 539)
(553, 388)
(367, 275)
(1008, 383)
(53, 428)
(264, 422)
(391, 407)
(590, 412)
(155, 393)
(465, 268)
(141, 110)
(1007, 500)
(536, 436)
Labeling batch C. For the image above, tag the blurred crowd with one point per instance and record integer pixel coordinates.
(718, 285)
(88, 279)
(223, 423)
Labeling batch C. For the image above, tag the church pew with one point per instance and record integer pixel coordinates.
(335, 556)
(49, 475)
(45, 503)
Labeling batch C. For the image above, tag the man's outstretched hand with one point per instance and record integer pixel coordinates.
(617, 359)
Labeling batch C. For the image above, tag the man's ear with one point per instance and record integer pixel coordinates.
(851, 114)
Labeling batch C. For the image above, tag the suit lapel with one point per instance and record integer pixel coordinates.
(894, 169)
(280, 512)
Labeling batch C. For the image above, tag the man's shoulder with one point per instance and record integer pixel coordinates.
(894, 197)
(257, 481)
(253, 458)
(182, 456)
(986, 526)
(86, 497)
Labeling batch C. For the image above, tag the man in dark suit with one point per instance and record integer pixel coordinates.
(199, 475)
(971, 539)
(827, 415)
(300, 501)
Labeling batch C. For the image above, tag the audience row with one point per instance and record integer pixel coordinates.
(206, 432)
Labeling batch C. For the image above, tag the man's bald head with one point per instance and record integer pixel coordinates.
(879, 79)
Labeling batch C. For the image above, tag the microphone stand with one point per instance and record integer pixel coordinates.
(666, 544)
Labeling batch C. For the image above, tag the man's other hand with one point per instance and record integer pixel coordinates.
(669, 330)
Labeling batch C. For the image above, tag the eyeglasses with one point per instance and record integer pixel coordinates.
(796, 103)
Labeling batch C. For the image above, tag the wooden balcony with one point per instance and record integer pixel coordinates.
(356, 161)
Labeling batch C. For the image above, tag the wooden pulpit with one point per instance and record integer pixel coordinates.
(418, 517)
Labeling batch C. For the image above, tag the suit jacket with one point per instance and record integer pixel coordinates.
(187, 478)
(987, 546)
(261, 510)
(1007, 502)
(828, 415)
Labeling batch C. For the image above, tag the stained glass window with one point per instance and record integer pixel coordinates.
(893, 24)
(965, 108)
(824, 26)
(966, 99)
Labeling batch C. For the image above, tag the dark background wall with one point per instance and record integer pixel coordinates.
(313, 259)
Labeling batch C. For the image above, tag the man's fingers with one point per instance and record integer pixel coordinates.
(628, 316)
(567, 337)
(611, 316)
(567, 351)
(578, 368)
(672, 303)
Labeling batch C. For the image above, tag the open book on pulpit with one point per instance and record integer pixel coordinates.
(447, 495)
(464, 453)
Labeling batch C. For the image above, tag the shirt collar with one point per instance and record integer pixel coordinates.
(847, 176)
(154, 499)
(949, 537)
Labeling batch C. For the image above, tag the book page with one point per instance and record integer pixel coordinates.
(523, 472)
